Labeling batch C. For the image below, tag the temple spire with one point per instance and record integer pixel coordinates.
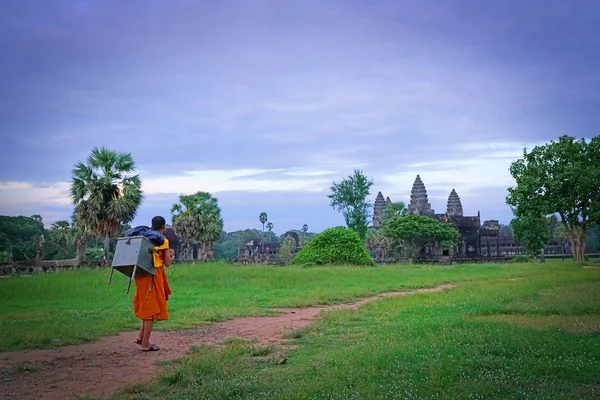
(454, 205)
(378, 209)
(418, 199)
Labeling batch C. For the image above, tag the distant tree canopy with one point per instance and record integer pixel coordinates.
(414, 232)
(106, 193)
(560, 178)
(18, 237)
(350, 198)
(337, 245)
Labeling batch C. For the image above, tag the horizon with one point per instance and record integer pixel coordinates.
(265, 104)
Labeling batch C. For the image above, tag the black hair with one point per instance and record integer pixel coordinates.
(158, 223)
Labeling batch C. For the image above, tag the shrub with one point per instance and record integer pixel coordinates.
(337, 245)
(521, 259)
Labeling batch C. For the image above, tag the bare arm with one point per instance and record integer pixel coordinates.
(167, 257)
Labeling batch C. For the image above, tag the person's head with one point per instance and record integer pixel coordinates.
(159, 224)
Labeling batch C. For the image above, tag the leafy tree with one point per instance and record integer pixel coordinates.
(350, 197)
(337, 245)
(19, 237)
(197, 221)
(561, 237)
(414, 232)
(59, 243)
(105, 192)
(263, 218)
(593, 238)
(270, 226)
(287, 249)
(505, 230)
(560, 178)
(531, 232)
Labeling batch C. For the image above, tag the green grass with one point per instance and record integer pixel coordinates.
(460, 344)
(50, 310)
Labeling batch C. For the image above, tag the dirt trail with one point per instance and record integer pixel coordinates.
(98, 369)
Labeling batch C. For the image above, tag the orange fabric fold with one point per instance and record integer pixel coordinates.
(152, 304)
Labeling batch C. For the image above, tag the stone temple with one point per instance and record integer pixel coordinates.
(477, 240)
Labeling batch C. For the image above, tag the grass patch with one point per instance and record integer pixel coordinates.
(570, 323)
(51, 310)
(431, 345)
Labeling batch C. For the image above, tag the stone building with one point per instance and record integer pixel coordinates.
(476, 239)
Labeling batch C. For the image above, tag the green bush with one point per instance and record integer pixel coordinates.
(337, 245)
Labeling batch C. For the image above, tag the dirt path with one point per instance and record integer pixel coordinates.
(98, 369)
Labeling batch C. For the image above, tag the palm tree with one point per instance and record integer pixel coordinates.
(270, 226)
(263, 218)
(304, 228)
(78, 238)
(197, 220)
(105, 192)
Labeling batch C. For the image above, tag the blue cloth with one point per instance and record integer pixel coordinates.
(154, 236)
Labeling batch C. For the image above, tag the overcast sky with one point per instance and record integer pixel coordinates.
(265, 103)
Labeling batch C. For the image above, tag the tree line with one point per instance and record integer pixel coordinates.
(106, 194)
(556, 197)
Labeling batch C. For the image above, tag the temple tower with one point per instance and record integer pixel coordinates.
(454, 204)
(378, 209)
(419, 204)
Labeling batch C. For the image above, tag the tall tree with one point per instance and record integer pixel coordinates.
(270, 226)
(106, 193)
(263, 218)
(560, 178)
(350, 198)
(197, 221)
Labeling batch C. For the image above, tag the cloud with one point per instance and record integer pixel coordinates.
(215, 181)
(233, 98)
(28, 193)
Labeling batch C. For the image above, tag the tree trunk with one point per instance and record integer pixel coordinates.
(81, 247)
(106, 248)
(578, 243)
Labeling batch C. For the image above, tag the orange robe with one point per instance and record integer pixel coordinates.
(153, 304)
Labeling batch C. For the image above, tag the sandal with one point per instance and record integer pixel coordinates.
(152, 347)
(138, 341)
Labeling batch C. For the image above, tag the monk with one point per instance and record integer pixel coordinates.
(150, 306)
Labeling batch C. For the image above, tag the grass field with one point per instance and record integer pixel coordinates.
(534, 338)
(52, 310)
(489, 337)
